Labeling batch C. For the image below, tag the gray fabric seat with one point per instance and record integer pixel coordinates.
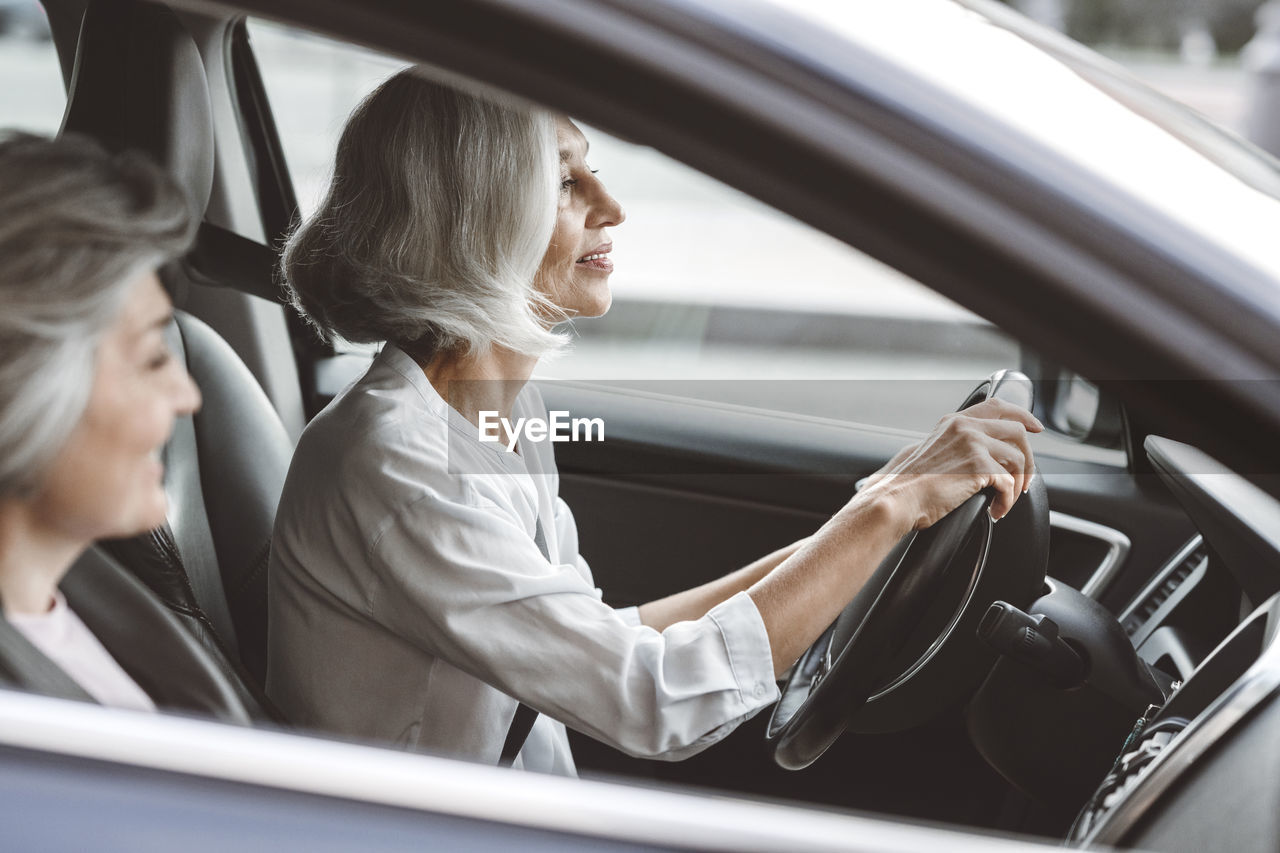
(139, 83)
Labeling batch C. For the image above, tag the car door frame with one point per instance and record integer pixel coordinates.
(957, 208)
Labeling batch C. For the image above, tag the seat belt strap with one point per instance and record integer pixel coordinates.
(521, 725)
(522, 722)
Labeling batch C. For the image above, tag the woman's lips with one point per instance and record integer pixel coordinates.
(597, 259)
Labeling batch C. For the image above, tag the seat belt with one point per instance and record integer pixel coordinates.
(521, 725)
(522, 722)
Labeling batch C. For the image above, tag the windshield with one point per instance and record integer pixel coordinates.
(1037, 85)
(1243, 159)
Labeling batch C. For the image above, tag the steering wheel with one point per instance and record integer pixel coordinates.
(906, 648)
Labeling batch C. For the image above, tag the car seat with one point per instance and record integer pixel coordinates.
(138, 82)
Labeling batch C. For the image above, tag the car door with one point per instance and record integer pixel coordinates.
(137, 781)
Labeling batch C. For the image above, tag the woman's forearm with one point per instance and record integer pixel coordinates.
(808, 590)
(694, 603)
(800, 590)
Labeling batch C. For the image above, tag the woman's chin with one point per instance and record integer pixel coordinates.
(599, 306)
(150, 514)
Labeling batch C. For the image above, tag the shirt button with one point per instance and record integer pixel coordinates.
(761, 689)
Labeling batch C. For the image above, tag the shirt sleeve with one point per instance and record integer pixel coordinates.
(629, 616)
(467, 583)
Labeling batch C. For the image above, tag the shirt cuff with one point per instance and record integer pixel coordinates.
(747, 643)
(629, 615)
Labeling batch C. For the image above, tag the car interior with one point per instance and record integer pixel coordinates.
(226, 466)
(1155, 577)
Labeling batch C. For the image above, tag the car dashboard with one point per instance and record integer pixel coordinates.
(1208, 618)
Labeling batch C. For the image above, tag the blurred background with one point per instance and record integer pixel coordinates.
(1197, 51)
(1193, 29)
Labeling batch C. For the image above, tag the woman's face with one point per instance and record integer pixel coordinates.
(575, 271)
(107, 481)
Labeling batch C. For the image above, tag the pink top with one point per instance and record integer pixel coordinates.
(66, 641)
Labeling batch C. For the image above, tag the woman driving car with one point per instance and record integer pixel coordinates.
(426, 582)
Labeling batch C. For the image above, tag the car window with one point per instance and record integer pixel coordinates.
(717, 296)
(32, 97)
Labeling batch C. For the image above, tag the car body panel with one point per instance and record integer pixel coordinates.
(285, 785)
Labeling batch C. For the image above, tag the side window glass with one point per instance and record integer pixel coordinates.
(717, 297)
(722, 298)
(32, 97)
(313, 84)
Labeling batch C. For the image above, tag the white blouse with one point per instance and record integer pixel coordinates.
(409, 601)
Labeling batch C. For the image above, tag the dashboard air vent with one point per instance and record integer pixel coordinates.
(1168, 586)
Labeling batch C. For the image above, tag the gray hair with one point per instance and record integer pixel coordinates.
(440, 210)
(77, 227)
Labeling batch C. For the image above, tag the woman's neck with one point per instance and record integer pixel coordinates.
(474, 384)
(33, 559)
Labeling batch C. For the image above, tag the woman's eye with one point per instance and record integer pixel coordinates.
(567, 183)
(160, 360)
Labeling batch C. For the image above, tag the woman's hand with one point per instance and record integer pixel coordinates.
(984, 445)
(890, 466)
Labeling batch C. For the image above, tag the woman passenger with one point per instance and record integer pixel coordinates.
(424, 583)
(88, 388)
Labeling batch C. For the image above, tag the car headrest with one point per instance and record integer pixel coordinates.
(138, 82)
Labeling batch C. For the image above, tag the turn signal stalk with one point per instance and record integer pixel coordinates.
(1034, 642)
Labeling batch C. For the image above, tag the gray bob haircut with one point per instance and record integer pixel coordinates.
(77, 227)
(440, 210)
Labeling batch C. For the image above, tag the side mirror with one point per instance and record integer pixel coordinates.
(1072, 406)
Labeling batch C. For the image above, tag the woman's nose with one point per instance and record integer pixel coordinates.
(608, 211)
(187, 398)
